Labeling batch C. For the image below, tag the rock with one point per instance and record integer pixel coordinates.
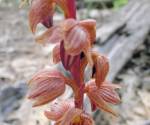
(139, 111)
(6, 75)
(145, 99)
(27, 115)
(10, 98)
(146, 83)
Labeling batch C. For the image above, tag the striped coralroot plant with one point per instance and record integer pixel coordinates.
(73, 42)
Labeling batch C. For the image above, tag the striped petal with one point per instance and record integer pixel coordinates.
(100, 96)
(75, 41)
(75, 116)
(72, 116)
(109, 94)
(90, 26)
(41, 11)
(45, 86)
(58, 109)
(56, 54)
(101, 68)
(52, 35)
(86, 119)
(68, 24)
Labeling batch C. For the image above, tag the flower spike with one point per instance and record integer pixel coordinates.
(73, 41)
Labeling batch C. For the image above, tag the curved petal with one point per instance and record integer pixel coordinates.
(87, 119)
(101, 104)
(111, 85)
(46, 86)
(99, 96)
(45, 73)
(68, 24)
(90, 26)
(58, 109)
(56, 54)
(101, 65)
(109, 94)
(75, 41)
(72, 116)
(88, 54)
(52, 35)
(40, 11)
(83, 65)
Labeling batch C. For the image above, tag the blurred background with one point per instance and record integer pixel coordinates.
(123, 34)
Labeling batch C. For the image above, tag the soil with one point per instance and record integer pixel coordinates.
(20, 57)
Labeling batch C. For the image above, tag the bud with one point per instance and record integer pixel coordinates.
(100, 69)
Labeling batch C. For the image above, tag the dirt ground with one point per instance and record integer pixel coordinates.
(135, 92)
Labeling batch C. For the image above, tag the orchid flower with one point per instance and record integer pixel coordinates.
(65, 113)
(42, 11)
(77, 36)
(46, 86)
(73, 40)
(102, 95)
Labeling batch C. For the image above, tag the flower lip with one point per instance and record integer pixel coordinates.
(102, 95)
(65, 113)
(58, 108)
(75, 116)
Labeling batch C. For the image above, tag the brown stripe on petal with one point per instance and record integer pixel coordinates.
(52, 35)
(46, 85)
(111, 85)
(102, 67)
(70, 115)
(39, 11)
(100, 103)
(56, 54)
(109, 96)
(57, 109)
(68, 24)
(86, 119)
(75, 41)
(96, 96)
(90, 26)
(50, 95)
(45, 73)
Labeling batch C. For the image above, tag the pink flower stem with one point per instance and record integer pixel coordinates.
(75, 68)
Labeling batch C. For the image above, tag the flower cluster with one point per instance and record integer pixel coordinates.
(73, 42)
